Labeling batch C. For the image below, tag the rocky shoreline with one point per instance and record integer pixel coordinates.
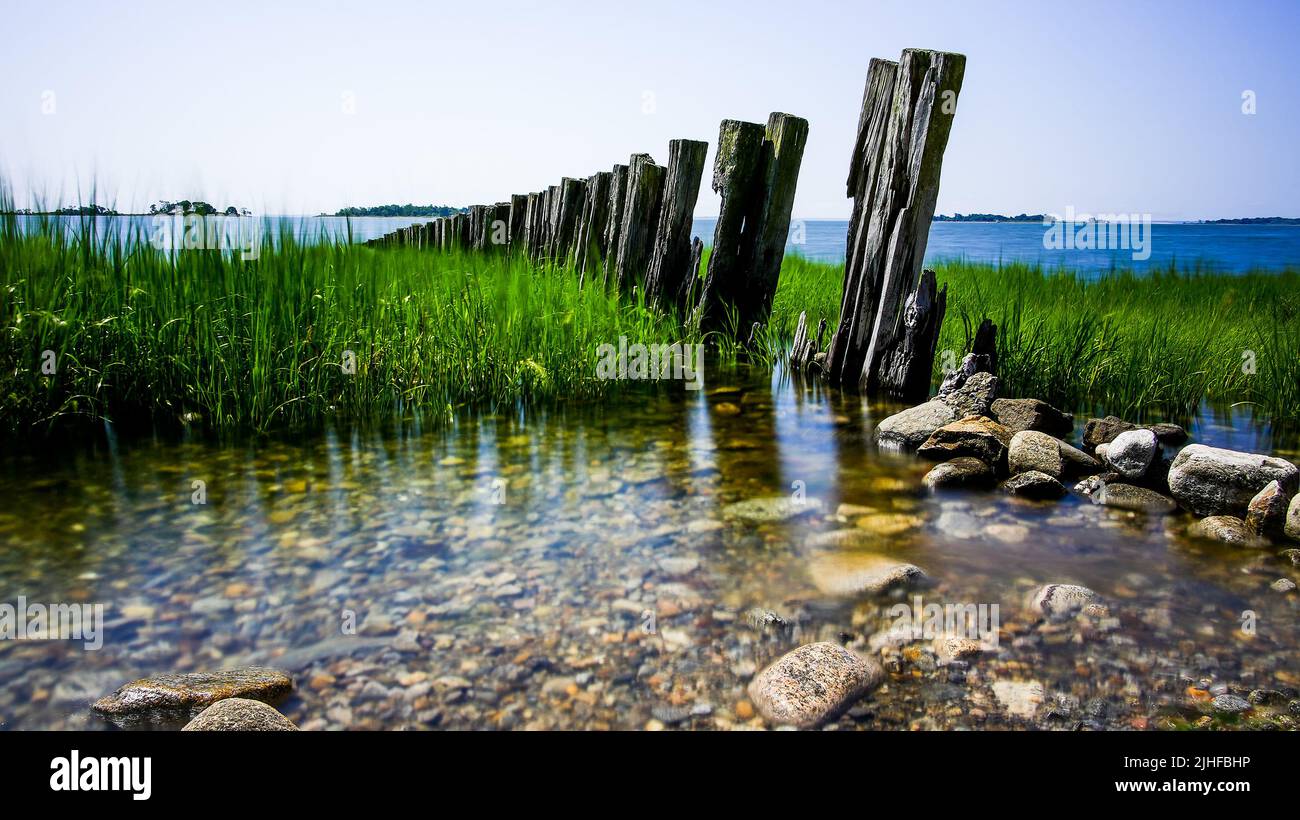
(1018, 446)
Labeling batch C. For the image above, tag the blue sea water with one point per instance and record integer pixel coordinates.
(1189, 246)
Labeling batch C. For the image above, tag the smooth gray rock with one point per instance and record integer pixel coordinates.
(1132, 452)
(240, 715)
(809, 685)
(1033, 484)
(1216, 481)
(1032, 450)
(1077, 462)
(1129, 497)
(965, 473)
(914, 425)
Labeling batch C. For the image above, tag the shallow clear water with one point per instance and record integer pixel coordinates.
(581, 568)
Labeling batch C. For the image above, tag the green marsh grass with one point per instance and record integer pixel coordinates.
(1133, 345)
(147, 337)
(141, 334)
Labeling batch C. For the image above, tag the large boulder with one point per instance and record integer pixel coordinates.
(975, 436)
(809, 685)
(1132, 452)
(1032, 414)
(193, 691)
(1215, 481)
(240, 715)
(1032, 450)
(914, 425)
(965, 473)
(1267, 511)
(972, 397)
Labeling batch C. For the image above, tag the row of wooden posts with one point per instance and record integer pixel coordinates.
(630, 228)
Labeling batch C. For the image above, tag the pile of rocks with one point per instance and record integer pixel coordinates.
(1020, 445)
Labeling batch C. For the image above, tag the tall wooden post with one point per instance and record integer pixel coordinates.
(738, 176)
(671, 255)
(903, 128)
(590, 243)
(645, 188)
(614, 233)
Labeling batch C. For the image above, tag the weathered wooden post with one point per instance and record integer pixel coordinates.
(689, 292)
(617, 201)
(566, 220)
(907, 111)
(804, 352)
(517, 221)
(645, 187)
(477, 215)
(738, 175)
(462, 231)
(785, 138)
(592, 226)
(532, 225)
(552, 218)
(671, 254)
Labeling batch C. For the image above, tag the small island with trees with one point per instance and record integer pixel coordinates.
(400, 210)
(989, 218)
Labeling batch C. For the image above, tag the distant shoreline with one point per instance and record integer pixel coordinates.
(1248, 221)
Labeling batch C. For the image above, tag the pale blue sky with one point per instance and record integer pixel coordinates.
(1106, 106)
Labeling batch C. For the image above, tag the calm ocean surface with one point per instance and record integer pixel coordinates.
(1226, 248)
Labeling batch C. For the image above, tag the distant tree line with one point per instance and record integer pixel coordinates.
(1255, 220)
(79, 210)
(988, 218)
(401, 210)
